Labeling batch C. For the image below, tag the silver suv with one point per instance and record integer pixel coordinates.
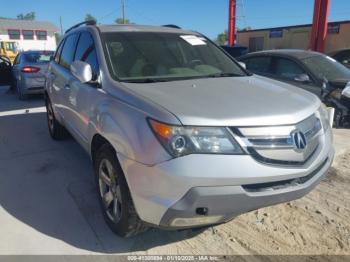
(180, 134)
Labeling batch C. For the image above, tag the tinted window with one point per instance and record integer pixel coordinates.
(28, 34)
(287, 68)
(86, 52)
(58, 52)
(67, 54)
(326, 67)
(38, 57)
(259, 64)
(14, 34)
(41, 35)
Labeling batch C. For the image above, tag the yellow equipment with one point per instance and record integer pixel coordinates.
(9, 49)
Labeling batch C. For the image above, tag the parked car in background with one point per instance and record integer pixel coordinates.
(312, 71)
(342, 56)
(181, 135)
(236, 50)
(29, 71)
(5, 70)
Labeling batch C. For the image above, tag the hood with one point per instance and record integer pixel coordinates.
(231, 101)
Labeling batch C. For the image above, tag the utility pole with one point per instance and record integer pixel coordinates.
(232, 22)
(123, 11)
(319, 25)
(61, 25)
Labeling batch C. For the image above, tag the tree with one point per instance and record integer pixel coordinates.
(120, 21)
(221, 39)
(90, 17)
(27, 16)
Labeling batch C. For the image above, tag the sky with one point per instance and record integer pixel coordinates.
(209, 17)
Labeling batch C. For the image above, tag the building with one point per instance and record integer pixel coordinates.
(296, 37)
(29, 34)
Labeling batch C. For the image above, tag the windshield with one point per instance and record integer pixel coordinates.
(38, 57)
(142, 57)
(326, 67)
(11, 46)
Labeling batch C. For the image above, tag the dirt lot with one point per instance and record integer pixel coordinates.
(48, 204)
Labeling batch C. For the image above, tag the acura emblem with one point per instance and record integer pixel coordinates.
(299, 139)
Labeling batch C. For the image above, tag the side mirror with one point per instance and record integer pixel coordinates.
(82, 71)
(242, 65)
(303, 78)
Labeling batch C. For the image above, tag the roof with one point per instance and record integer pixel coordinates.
(142, 28)
(6, 24)
(291, 27)
(296, 53)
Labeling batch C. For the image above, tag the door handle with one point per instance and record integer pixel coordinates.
(67, 86)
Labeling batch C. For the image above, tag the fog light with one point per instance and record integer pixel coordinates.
(195, 221)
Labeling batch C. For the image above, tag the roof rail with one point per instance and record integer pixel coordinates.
(172, 26)
(88, 22)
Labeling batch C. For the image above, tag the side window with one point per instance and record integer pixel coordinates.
(259, 64)
(58, 52)
(287, 68)
(68, 51)
(86, 52)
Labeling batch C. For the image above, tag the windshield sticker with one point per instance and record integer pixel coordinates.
(193, 40)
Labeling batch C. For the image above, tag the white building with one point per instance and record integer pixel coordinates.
(29, 34)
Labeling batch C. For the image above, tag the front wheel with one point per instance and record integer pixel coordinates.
(338, 119)
(114, 195)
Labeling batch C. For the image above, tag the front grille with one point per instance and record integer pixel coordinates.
(284, 183)
(275, 144)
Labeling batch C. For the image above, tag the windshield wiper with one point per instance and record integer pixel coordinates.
(145, 80)
(222, 75)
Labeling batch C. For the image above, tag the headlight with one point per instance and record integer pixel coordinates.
(324, 117)
(184, 140)
(346, 91)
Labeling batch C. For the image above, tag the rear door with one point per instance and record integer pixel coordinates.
(61, 76)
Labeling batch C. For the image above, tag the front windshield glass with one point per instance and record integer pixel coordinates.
(326, 67)
(11, 46)
(142, 57)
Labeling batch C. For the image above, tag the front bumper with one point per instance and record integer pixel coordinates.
(224, 185)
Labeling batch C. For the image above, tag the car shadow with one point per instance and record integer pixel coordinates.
(9, 100)
(49, 186)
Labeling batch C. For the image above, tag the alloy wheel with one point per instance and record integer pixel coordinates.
(110, 190)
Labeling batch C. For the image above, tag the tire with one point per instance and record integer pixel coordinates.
(114, 195)
(56, 130)
(20, 94)
(338, 119)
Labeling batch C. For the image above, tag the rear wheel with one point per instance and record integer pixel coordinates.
(114, 195)
(57, 131)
